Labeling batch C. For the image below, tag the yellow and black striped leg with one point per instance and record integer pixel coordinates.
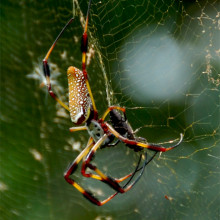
(75, 163)
(118, 180)
(46, 68)
(84, 49)
(87, 163)
(132, 175)
(154, 147)
(73, 167)
(113, 183)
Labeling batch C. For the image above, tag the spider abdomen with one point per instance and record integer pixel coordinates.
(79, 99)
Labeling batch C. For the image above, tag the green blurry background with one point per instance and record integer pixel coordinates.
(36, 146)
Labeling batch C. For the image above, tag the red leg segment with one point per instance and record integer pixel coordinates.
(153, 147)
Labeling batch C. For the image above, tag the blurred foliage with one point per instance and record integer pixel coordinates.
(36, 146)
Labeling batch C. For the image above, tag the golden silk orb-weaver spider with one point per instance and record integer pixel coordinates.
(83, 112)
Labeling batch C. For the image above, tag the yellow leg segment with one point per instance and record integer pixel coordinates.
(80, 128)
(110, 109)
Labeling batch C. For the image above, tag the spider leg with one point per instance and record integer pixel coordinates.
(138, 169)
(83, 171)
(80, 128)
(132, 175)
(84, 49)
(46, 68)
(110, 109)
(146, 162)
(73, 167)
(75, 163)
(113, 183)
(154, 147)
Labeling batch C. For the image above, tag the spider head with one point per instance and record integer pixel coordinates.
(79, 99)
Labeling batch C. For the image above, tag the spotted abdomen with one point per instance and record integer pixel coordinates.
(79, 99)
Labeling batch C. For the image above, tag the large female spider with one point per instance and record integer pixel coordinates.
(83, 110)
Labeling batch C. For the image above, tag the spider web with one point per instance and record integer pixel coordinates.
(159, 59)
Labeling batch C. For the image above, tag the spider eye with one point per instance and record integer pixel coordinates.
(79, 100)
